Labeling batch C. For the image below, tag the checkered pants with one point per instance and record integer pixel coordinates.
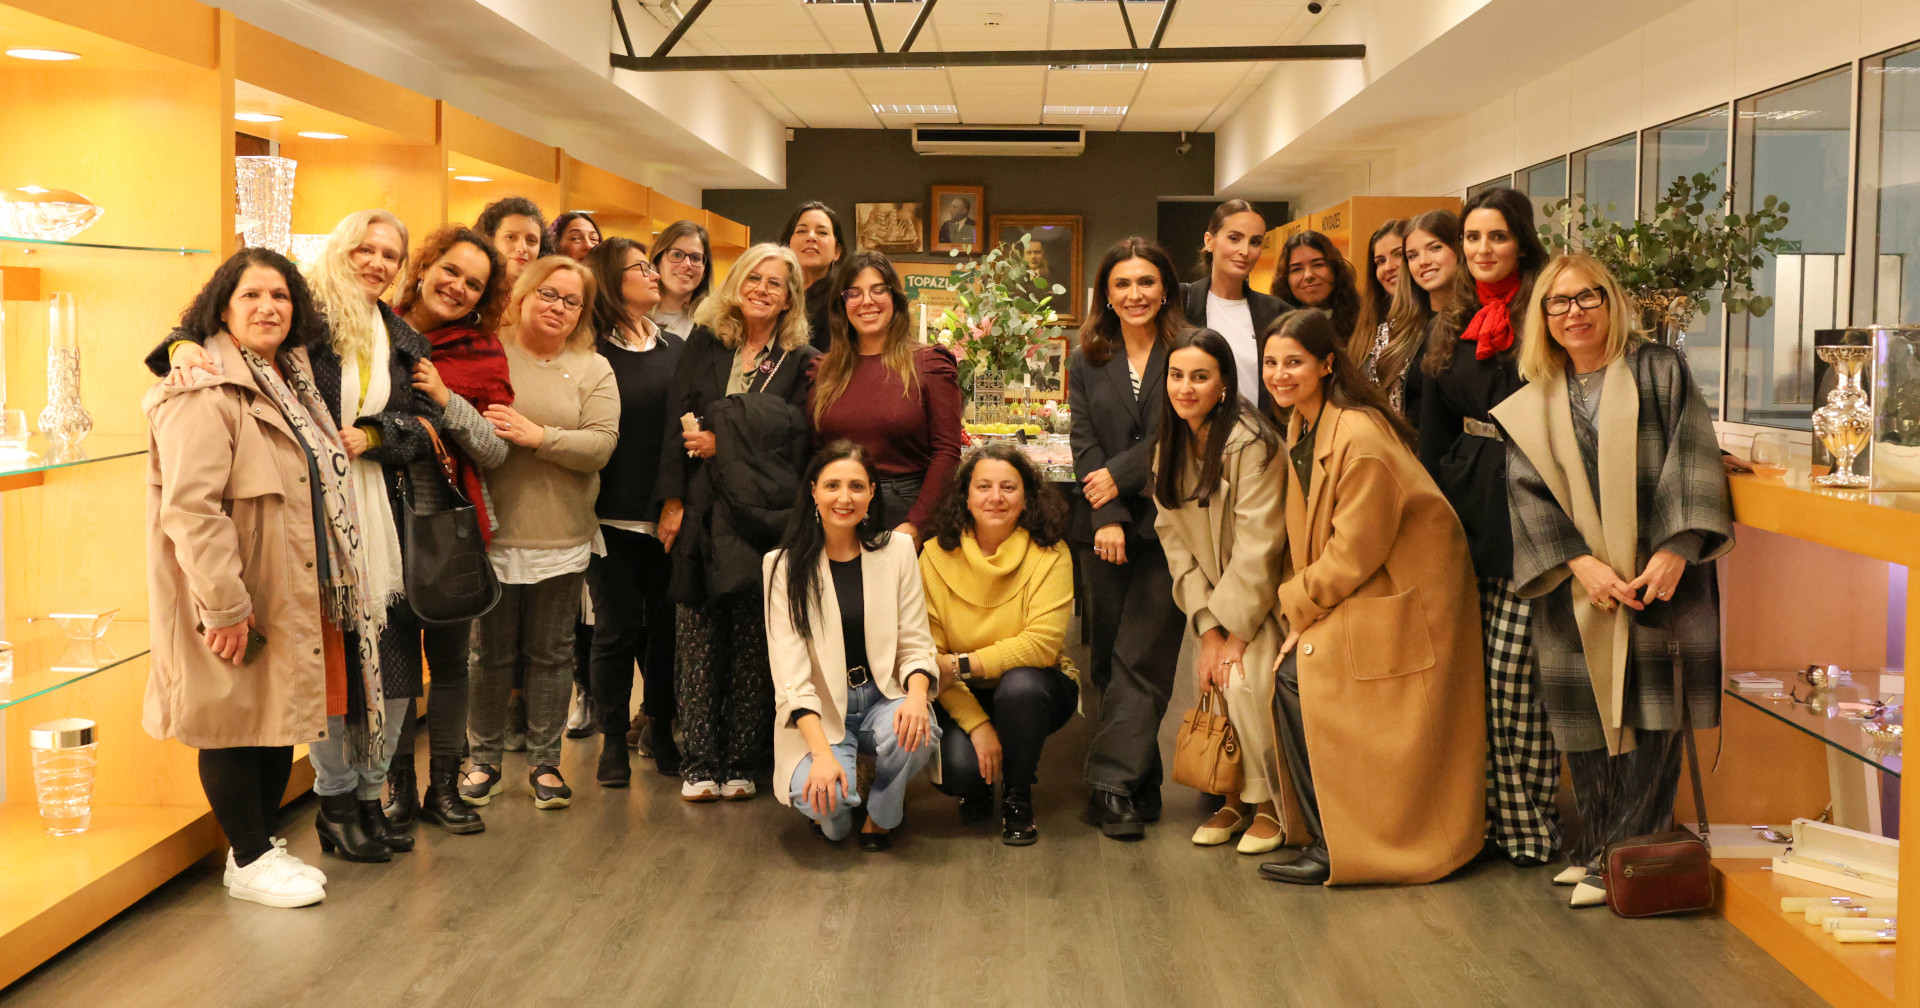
(1523, 767)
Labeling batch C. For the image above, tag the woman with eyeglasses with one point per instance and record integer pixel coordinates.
(1620, 505)
(1424, 293)
(1223, 301)
(563, 424)
(1315, 274)
(632, 610)
(881, 390)
(736, 432)
(1471, 365)
(818, 242)
(684, 256)
(573, 234)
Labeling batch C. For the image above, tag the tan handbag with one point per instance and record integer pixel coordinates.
(1206, 753)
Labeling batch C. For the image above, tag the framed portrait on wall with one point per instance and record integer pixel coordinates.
(893, 228)
(958, 213)
(1051, 246)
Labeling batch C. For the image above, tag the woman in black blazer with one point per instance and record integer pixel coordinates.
(1116, 380)
(1224, 302)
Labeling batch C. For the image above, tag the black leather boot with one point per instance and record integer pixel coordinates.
(615, 769)
(1115, 814)
(403, 794)
(441, 805)
(377, 826)
(1016, 819)
(343, 831)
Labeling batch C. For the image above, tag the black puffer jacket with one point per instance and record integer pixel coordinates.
(738, 504)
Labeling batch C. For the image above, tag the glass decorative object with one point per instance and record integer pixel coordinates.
(63, 763)
(85, 626)
(45, 214)
(1845, 423)
(264, 216)
(306, 248)
(65, 422)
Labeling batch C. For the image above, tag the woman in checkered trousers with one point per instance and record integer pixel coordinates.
(1469, 368)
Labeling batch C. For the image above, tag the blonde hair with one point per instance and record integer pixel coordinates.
(336, 289)
(1541, 356)
(720, 311)
(580, 337)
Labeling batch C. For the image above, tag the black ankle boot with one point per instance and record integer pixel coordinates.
(403, 794)
(441, 805)
(1016, 819)
(377, 826)
(342, 830)
(615, 770)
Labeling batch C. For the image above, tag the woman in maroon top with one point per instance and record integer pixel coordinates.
(881, 390)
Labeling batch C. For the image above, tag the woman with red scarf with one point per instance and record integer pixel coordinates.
(453, 292)
(1470, 367)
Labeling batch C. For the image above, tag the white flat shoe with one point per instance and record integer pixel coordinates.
(1250, 844)
(305, 869)
(1214, 836)
(273, 880)
(1571, 875)
(1585, 895)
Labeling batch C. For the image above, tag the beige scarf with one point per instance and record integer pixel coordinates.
(386, 580)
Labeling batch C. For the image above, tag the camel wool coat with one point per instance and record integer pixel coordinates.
(1392, 688)
(230, 534)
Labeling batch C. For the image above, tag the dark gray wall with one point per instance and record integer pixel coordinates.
(1115, 186)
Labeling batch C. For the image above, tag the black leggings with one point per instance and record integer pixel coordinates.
(1025, 705)
(448, 650)
(244, 785)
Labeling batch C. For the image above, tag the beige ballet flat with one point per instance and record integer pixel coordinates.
(1250, 844)
(1571, 875)
(1214, 836)
(1585, 895)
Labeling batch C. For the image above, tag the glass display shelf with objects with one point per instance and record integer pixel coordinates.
(171, 249)
(46, 659)
(1825, 714)
(16, 471)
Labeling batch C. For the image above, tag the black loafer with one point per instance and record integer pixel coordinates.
(1307, 869)
(1016, 821)
(1146, 801)
(874, 843)
(1116, 815)
(977, 809)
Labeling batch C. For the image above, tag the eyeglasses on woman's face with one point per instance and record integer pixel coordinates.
(646, 268)
(1560, 304)
(855, 295)
(551, 296)
(678, 256)
(755, 281)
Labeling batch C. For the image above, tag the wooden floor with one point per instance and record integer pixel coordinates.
(637, 898)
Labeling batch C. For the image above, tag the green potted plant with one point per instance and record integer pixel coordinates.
(1673, 260)
(1002, 319)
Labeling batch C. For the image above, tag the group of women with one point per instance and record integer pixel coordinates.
(1415, 535)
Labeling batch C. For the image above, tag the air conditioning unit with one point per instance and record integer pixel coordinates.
(1001, 141)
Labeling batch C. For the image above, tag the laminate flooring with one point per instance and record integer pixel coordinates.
(634, 897)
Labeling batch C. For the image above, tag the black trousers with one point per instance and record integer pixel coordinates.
(1025, 706)
(449, 650)
(1623, 796)
(1293, 744)
(1137, 630)
(244, 785)
(633, 621)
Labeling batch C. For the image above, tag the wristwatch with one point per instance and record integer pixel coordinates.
(966, 668)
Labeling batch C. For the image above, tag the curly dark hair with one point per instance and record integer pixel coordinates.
(1044, 516)
(201, 319)
(514, 206)
(493, 297)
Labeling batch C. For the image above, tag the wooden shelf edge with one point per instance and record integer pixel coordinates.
(18, 481)
(1858, 976)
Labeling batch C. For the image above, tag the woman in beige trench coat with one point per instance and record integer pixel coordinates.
(249, 572)
(1379, 696)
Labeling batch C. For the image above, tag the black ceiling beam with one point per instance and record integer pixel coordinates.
(1159, 30)
(989, 58)
(873, 26)
(1125, 20)
(919, 22)
(666, 44)
(621, 19)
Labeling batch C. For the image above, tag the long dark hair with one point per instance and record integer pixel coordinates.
(840, 248)
(1174, 439)
(1044, 516)
(1517, 210)
(201, 318)
(1344, 385)
(835, 370)
(493, 297)
(1376, 302)
(1344, 302)
(805, 538)
(674, 232)
(514, 206)
(1218, 220)
(1101, 331)
(608, 261)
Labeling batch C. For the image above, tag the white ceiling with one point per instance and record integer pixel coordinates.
(1163, 97)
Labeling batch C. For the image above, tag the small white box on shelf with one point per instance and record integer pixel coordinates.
(1845, 859)
(1893, 683)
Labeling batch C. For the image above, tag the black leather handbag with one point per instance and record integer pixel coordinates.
(443, 557)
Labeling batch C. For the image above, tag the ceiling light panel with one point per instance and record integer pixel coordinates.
(935, 110)
(1084, 110)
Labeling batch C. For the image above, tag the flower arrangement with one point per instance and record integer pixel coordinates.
(1003, 317)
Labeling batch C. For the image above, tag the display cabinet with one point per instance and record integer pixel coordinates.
(1347, 224)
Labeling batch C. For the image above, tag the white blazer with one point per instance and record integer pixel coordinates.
(810, 673)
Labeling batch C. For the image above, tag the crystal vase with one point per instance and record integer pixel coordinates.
(65, 422)
(1846, 421)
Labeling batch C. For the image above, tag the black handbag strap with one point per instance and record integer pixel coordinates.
(1685, 714)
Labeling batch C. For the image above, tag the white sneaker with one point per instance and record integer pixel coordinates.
(280, 845)
(274, 880)
(737, 790)
(699, 790)
(580, 715)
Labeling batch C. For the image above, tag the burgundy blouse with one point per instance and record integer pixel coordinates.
(918, 436)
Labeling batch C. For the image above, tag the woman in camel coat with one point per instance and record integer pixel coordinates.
(1385, 698)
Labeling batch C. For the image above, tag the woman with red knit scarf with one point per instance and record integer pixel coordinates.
(1470, 366)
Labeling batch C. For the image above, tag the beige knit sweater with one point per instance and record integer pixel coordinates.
(543, 497)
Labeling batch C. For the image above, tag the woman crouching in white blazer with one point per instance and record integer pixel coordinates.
(851, 655)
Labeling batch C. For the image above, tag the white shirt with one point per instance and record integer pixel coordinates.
(1234, 320)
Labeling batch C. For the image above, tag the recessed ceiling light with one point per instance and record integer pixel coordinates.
(49, 55)
(581, 211)
(471, 178)
(1085, 110)
(257, 117)
(915, 109)
(318, 135)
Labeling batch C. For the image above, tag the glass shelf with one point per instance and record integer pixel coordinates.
(177, 250)
(45, 659)
(1827, 724)
(97, 448)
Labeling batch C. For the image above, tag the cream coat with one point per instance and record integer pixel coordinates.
(810, 673)
(1392, 689)
(230, 534)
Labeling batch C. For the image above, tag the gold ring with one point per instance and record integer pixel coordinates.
(1602, 606)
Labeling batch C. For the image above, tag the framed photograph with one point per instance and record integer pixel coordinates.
(957, 215)
(1052, 249)
(893, 228)
(1051, 380)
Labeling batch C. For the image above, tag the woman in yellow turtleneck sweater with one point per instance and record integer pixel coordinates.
(999, 584)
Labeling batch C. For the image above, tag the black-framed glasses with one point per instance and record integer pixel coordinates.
(646, 268)
(855, 295)
(677, 256)
(551, 296)
(1560, 304)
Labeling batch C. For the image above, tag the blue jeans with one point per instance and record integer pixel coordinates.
(869, 730)
(333, 775)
